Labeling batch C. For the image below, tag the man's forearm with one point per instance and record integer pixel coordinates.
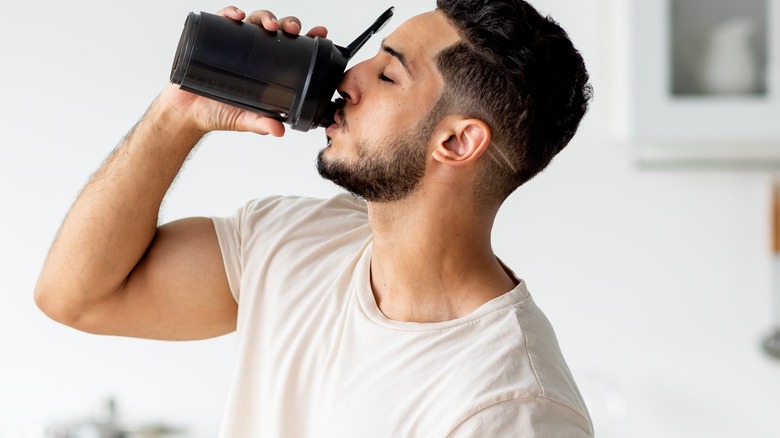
(114, 220)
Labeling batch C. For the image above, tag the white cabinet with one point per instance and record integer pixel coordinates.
(703, 82)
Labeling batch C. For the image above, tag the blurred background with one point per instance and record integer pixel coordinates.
(656, 274)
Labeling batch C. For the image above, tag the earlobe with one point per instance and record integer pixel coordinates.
(463, 142)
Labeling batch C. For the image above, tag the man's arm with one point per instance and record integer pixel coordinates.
(111, 270)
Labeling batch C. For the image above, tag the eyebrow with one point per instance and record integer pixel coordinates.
(398, 55)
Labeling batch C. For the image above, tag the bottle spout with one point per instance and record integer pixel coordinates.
(380, 22)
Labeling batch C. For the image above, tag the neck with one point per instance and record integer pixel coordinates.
(432, 261)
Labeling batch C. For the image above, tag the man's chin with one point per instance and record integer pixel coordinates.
(325, 164)
(335, 171)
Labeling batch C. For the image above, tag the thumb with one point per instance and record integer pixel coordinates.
(251, 122)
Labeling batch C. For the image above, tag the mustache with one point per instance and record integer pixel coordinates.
(342, 115)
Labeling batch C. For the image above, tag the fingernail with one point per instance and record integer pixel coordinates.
(294, 26)
(239, 11)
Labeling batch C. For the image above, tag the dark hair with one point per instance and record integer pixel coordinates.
(519, 72)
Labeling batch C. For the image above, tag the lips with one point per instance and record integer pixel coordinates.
(335, 126)
(332, 128)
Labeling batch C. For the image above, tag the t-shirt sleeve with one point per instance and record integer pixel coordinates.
(232, 235)
(525, 417)
(229, 238)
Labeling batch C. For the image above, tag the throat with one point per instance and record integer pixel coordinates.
(406, 293)
(432, 260)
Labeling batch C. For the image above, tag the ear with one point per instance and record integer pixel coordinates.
(461, 141)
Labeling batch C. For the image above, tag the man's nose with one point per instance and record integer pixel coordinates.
(350, 87)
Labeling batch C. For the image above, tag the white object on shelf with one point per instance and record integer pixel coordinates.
(730, 64)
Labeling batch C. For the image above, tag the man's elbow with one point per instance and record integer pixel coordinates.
(56, 303)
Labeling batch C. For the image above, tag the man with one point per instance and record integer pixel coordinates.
(382, 316)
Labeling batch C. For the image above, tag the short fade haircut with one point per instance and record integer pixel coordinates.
(520, 73)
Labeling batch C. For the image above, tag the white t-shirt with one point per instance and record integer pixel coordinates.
(317, 358)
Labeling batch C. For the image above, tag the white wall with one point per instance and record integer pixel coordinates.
(657, 283)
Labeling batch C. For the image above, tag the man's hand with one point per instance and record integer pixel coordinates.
(208, 115)
(111, 269)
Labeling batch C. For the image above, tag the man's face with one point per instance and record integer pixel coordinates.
(384, 172)
(378, 148)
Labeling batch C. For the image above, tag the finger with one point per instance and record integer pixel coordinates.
(318, 31)
(266, 19)
(232, 12)
(291, 25)
(260, 125)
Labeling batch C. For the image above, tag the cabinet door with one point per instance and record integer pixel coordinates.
(704, 82)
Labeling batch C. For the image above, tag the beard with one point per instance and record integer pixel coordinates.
(390, 170)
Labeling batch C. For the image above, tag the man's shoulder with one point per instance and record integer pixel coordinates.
(537, 345)
(517, 351)
(295, 213)
(290, 239)
(286, 204)
(268, 225)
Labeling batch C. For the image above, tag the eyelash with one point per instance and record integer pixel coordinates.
(382, 77)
